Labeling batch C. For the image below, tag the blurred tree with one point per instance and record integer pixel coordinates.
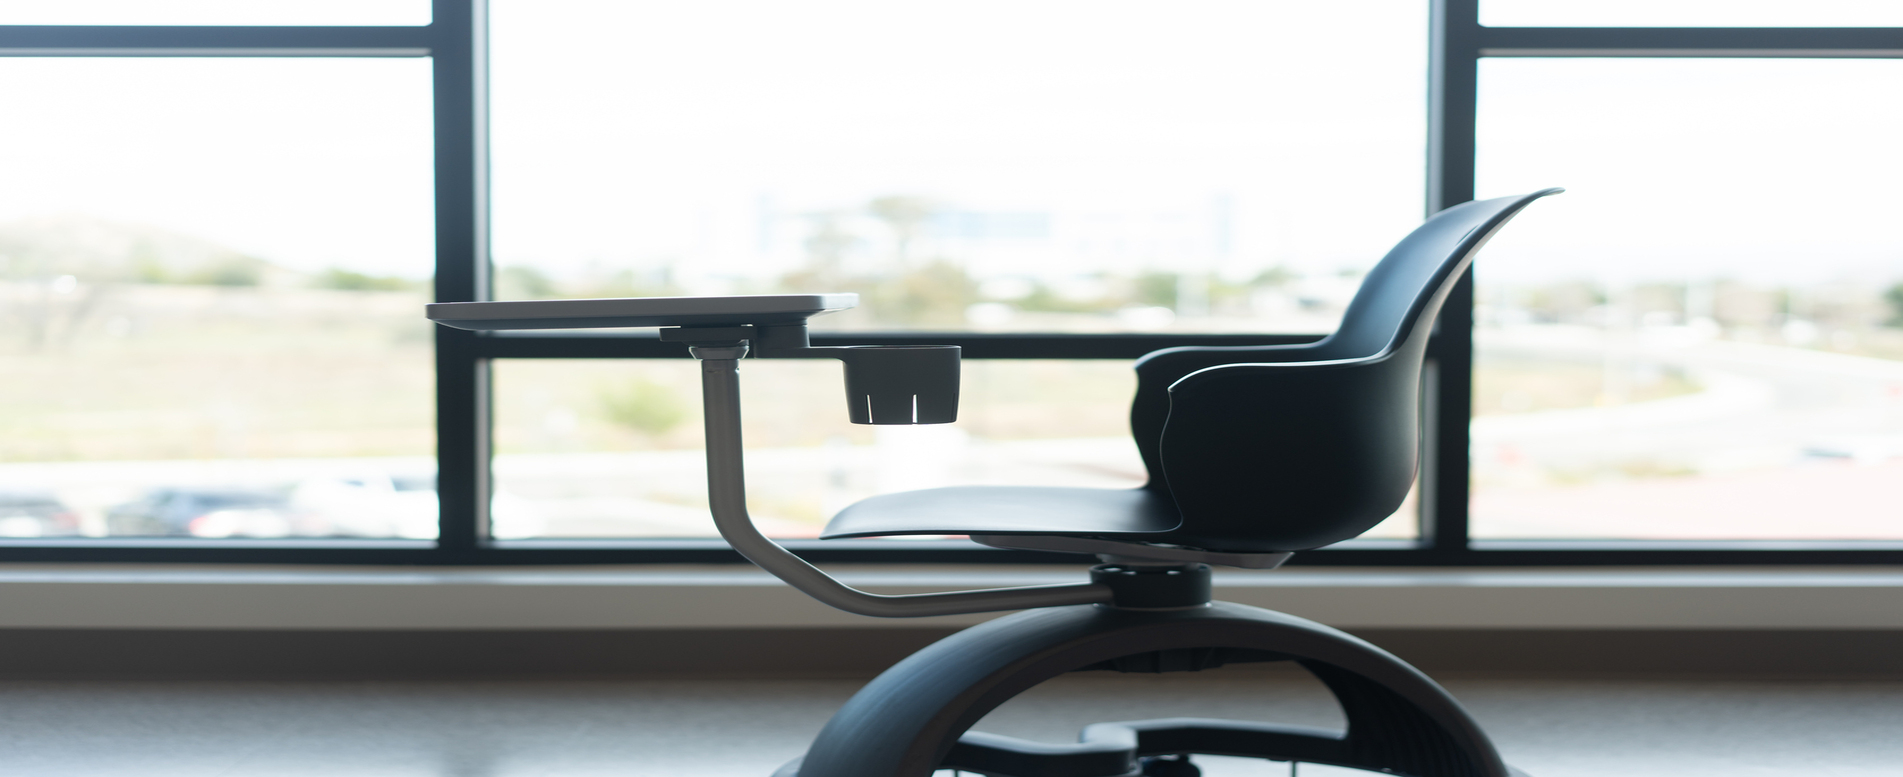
(1229, 297)
(1044, 299)
(1893, 296)
(1274, 276)
(826, 250)
(101, 252)
(147, 266)
(1565, 302)
(906, 216)
(644, 406)
(227, 271)
(351, 280)
(625, 283)
(1156, 289)
(518, 282)
(936, 294)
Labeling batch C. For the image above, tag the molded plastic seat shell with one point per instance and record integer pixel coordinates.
(1098, 512)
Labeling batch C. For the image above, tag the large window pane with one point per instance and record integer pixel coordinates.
(1703, 339)
(212, 273)
(1690, 13)
(1075, 166)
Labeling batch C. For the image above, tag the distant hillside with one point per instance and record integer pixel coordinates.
(99, 251)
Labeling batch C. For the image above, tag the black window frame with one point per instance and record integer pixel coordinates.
(456, 40)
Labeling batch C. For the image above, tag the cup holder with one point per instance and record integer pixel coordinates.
(899, 384)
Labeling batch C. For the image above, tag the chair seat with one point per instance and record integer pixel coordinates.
(1084, 512)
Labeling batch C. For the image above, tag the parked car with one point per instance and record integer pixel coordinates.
(36, 514)
(366, 504)
(202, 512)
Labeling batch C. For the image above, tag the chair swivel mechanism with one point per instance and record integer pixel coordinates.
(1254, 453)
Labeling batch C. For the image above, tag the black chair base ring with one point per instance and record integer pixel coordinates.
(913, 719)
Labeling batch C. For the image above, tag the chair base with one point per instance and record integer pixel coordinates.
(913, 719)
(1139, 552)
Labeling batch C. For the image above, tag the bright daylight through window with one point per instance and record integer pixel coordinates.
(1704, 342)
(211, 271)
(997, 167)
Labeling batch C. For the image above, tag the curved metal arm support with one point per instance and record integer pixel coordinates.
(727, 492)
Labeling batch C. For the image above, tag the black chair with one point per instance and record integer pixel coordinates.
(1254, 453)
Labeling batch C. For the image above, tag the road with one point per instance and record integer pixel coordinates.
(1782, 443)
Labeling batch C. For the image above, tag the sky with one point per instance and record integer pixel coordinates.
(656, 130)
(1772, 170)
(659, 133)
(307, 163)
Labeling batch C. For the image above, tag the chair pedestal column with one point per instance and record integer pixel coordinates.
(912, 720)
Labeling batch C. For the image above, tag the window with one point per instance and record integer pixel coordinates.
(1699, 346)
(1058, 187)
(211, 270)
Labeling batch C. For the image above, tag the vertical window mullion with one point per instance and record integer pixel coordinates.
(1453, 68)
(462, 261)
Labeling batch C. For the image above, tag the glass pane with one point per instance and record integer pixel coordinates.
(219, 12)
(612, 448)
(1702, 339)
(1690, 13)
(1062, 166)
(212, 273)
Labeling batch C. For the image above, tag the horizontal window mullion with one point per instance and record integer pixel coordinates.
(40, 41)
(1690, 42)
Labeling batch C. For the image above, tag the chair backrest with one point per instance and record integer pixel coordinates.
(1322, 452)
(1402, 295)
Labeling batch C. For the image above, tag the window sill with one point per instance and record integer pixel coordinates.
(703, 597)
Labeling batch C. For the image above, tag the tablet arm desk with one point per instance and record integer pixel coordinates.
(899, 384)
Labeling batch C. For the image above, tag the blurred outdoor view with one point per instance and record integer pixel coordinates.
(1703, 338)
(212, 270)
(1217, 165)
(211, 279)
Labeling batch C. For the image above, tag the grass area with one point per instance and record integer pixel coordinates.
(1884, 343)
(183, 372)
(179, 372)
(548, 406)
(200, 372)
